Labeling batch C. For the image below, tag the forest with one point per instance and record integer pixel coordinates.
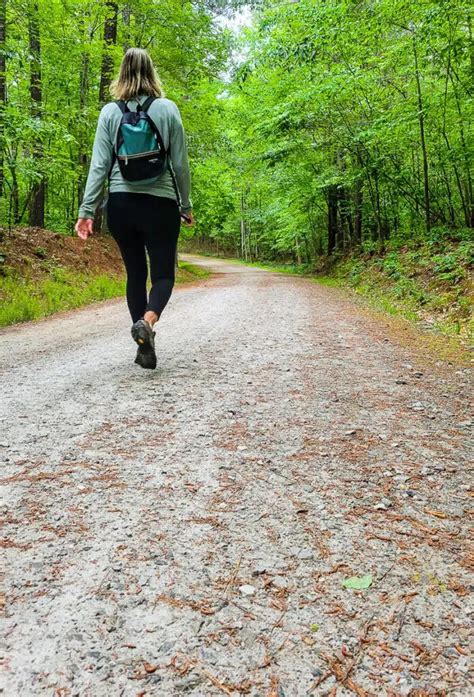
(317, 128)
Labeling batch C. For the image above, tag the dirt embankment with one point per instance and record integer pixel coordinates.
(33, 253)
(42, 272)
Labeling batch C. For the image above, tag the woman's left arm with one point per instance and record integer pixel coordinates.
(179, 160)
(99, 169)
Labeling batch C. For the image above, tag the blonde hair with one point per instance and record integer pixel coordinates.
(136, 76)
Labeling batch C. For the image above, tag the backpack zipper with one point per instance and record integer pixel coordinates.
(140, 154)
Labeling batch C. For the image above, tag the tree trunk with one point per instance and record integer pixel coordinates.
(243, 246)
(126, 16)
(83, 98)
(467, 183)
(248, 241)
(380, 221)
(298, 251)
(347, 225)
(37, 200)
(421, 122)
(307, 252)
(332, 217)
(3, 92)
(110, 39)
(15, 198)
(358, 202)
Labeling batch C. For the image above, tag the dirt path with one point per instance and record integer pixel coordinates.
(187, 531)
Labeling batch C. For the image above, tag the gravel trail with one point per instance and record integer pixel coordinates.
(187, 531)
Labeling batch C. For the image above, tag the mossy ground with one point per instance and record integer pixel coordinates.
(430, 283)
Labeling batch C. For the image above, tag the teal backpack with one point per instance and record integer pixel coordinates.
(139, 148)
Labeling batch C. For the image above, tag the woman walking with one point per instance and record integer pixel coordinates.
(140, 146)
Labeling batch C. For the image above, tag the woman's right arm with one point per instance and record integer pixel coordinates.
(99, 169)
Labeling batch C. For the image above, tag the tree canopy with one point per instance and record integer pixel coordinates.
(322, 126)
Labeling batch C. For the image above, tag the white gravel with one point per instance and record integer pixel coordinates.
(285, 443)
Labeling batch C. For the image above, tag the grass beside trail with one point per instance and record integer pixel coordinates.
(430, 283)
(189, 272)
(23, 299)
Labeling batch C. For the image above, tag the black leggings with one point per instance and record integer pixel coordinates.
(140, 222)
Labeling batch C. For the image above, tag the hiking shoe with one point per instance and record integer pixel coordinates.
(145, 338)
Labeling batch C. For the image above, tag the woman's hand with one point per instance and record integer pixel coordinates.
(187, 219)
(83, 227)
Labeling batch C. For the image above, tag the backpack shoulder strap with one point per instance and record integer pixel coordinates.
(122, 106)
(147, 104)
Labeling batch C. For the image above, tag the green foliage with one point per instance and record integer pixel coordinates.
(189, 50)
(344, 101)
(428, 281)
(358, 582)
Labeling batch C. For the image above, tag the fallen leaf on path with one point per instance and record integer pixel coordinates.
(308, 640)
(150, 667)
(341, 673)
(181, 664)
(314, 627)
(418, 647)
(205, 610)
(460, 650)
(438, 514)
(358, 583)
(274, 691)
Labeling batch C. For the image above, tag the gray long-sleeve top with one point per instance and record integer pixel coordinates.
(166, 116)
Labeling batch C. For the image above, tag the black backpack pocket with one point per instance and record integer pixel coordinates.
(144, 166)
